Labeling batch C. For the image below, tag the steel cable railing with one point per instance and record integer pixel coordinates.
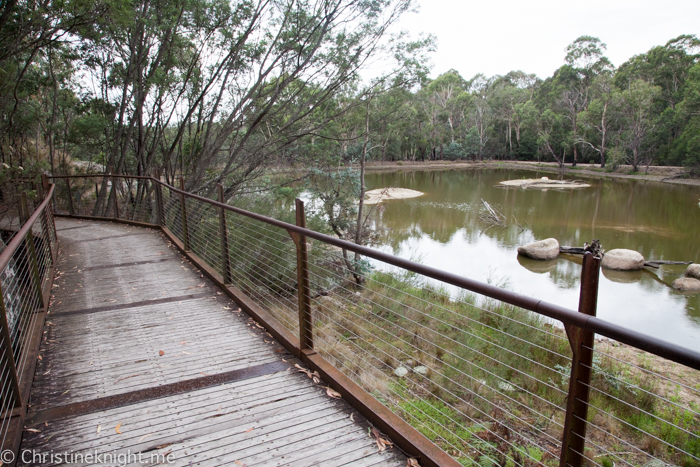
(26, 275)
(490, 376)
(451, 359)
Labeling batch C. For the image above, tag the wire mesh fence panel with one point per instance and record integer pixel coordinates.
(135, 199)
(263, 265)
(10, 220)
(22, 304)
(26, 268)
(643, 409)
(172, 211)
(41, 234)
(203, 229)
(7, 391)
(484, 380)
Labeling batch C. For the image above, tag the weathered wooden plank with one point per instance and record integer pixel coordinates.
(277, 419)
(170, 422)
(232, 396)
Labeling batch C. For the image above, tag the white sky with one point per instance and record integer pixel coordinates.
(497, 36)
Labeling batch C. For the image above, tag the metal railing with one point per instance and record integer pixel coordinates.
(487, 375)
(26, 277)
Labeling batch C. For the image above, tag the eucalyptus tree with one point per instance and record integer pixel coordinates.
(584, 61)
(509, 96)
(602, 118)
(553, 137)
(638, 122)
(480, 112)
(35, 39)
(687, 145)
(214, 89)
(668, 67)
(447, 92)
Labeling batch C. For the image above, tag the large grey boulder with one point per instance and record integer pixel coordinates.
(543, 250)
(623, 260)
(693, 271)
(686, 284)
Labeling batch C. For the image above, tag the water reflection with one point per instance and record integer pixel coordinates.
(538, 267)
(623, 277)
(661, 221)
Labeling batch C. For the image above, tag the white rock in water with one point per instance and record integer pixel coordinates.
(543, 250)
(401, 372)
(421, 370)
(623, 260)
(686, 284)
(693, 270)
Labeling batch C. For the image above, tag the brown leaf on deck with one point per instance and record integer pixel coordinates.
(334, 394)
(411, 462)
(117, 428)
(382, 443)
(161, 353)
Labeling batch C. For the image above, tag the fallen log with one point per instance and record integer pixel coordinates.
(594, 248)
(576, 250)
(572, 250)
(657, 263)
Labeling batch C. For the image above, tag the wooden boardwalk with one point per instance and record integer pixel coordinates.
(144, 361)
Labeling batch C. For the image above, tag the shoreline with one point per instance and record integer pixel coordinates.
(662, 174)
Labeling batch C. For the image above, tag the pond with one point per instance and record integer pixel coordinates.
(443, 229)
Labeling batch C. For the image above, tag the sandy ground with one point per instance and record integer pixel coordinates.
(544, 182)
(383, 194)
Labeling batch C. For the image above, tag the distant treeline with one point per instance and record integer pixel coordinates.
(646, 111)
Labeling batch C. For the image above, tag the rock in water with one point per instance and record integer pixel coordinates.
(544, 249)
(693, 271)
(623, 260)
(686, 284)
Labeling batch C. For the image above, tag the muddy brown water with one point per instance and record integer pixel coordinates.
(662, 221)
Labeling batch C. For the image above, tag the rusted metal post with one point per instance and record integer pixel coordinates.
(223, 233)
(185, 232)
(305, 326)
(7, 350)
(159, 199)
(31, 250)
(115, 194)
(582, 341)
(71, 210)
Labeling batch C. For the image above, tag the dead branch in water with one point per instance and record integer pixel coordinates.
(492, 216)
(656, 263)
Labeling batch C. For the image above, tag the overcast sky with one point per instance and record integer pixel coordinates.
(495, 37)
